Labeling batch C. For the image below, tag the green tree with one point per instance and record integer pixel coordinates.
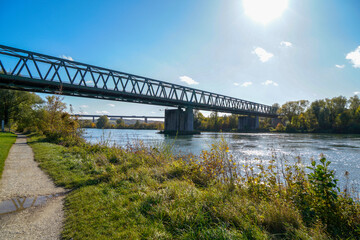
(198, 118)
(120, 123)
(137, 124)
(354, 103)
(86, 123)
(102, 122)
(18, 106)
(57, 124)
(293, 108)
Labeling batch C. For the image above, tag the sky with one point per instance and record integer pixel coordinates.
(267, 53)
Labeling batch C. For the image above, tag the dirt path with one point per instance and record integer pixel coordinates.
(31, 207)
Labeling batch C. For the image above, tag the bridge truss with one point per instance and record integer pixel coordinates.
(30, 71)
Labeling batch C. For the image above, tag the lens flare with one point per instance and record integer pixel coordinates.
(264, 11)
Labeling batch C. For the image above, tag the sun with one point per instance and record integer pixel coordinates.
(264, 11)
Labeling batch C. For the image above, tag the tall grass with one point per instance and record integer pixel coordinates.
(6, 141)
(143, 192)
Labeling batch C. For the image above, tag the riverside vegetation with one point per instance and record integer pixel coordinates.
(142, 192)
(6, 141)
(335, 115)
(103, 122)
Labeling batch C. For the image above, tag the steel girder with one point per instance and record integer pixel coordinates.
(30, 71)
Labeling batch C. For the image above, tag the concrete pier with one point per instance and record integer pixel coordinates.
(178, 121)
(248, 123)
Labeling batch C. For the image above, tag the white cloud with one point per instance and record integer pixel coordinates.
(84, 106)
(285, 44)
(102, 112)
(339, 66)
(269, 82)
(246, 84)
(263, 55)
(357, 93)
(188, 80)
(67, 57)
(354, 57)
(111, 105)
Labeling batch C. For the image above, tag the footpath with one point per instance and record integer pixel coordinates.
(31, 206)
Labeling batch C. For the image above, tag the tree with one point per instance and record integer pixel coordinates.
(198, 118)
(102, 122)
(57, 124)
(354, 103)
(86, 123)
(120, 123)
(293, 108)
(18, 106)
(137, 124)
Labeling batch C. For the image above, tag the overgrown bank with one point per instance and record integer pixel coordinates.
(148, 193)
(6, 141)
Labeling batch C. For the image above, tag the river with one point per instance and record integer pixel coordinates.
(342, 150)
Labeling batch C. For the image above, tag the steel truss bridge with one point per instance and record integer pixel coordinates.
(30, 71)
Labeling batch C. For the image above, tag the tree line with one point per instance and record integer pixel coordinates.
(215, 122)
(332, 115)
(329, 115)
(27, 111)
(103, 122)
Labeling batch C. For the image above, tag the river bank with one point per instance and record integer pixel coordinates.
(137, 192)
(341, 150)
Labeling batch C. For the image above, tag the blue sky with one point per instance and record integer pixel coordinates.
(311, 51)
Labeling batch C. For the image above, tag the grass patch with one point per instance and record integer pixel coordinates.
(147, 193)
(6, 141)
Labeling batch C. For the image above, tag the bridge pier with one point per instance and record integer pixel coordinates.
(248, 123)
(179, 122)
(93, 119)
(146, 120)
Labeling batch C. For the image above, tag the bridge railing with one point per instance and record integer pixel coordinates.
(31, 67)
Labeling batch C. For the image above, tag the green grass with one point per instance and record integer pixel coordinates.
(6, 141)
(143, 193)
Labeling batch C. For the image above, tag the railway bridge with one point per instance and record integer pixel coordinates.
(35, 72)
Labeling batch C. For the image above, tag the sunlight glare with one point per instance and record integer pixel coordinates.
(264, 11)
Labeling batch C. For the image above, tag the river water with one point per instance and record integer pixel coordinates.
(342, 150)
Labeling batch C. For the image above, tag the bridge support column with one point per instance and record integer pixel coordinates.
(179, 122)
(146, 120)
(248, 123)
(93, 119)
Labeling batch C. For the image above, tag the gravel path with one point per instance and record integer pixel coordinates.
(22, 180)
